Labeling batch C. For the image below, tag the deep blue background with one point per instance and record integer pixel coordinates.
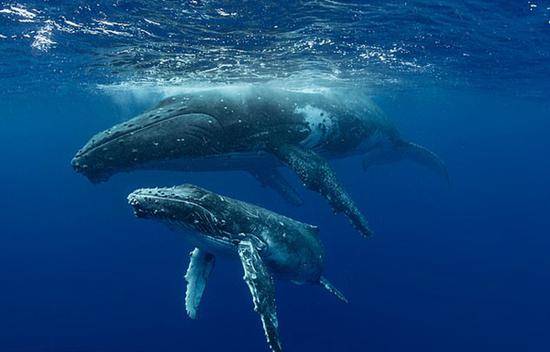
(465, 268)
(450, 269)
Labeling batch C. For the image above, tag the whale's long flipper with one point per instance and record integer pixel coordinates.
(200, 266)
(332, 289)
(262, 289)
(407, 150)
(272, 178)
(317, 175)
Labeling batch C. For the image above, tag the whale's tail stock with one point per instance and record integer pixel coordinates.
(409, 151)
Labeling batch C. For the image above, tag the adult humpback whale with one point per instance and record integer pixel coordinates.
(255, 129)
(268, 244)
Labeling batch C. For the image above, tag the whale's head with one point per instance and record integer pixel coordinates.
(164, 133)
(188, 208)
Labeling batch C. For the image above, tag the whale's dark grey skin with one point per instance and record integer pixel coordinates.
(256, 129)
(268, 245)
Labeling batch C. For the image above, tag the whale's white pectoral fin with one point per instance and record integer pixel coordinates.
(272, 178)
(200, 266)
(407, 150)
(330, 288)
(262, 289)
(317, 175)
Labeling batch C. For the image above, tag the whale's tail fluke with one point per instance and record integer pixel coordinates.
(407, 150)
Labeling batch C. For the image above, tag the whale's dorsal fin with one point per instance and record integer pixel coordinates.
(330, 288)
(200, 266)
(272, 178)
(261, 286)
(316, 174)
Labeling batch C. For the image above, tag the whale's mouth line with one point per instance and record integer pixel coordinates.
(208, 216)
(207, 229)
(116, 136)
(183, 226)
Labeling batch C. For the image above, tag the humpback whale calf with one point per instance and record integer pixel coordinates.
(256, 129)
(268, 245)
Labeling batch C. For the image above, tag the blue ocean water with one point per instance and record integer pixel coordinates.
(456, 268)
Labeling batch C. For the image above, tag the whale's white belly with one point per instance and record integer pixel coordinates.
(320, 123)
